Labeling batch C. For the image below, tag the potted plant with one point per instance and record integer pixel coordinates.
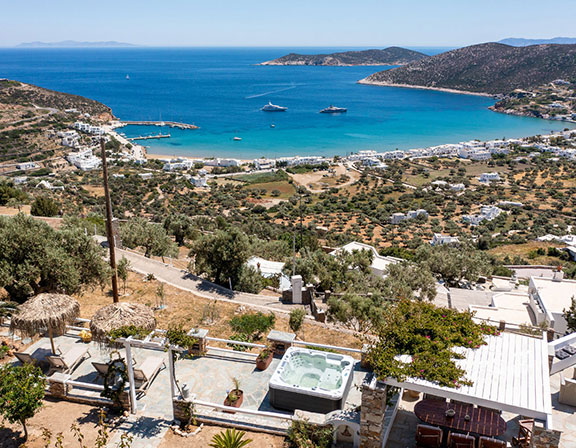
(264, 358)
(235, 396)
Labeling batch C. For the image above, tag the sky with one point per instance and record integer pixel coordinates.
(298, 23)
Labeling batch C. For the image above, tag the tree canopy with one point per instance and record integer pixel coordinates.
(35, 258)
(139, 232)
(220, 255)
(21, 393)
(44, 206)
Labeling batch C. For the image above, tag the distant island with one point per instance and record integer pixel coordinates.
(387, 56)
(521, 42)
(74, 44)
(491, 68)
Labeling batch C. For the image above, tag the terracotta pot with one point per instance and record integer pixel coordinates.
(235, 404)
(263, 363)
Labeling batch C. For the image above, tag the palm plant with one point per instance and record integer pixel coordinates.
(231, 438)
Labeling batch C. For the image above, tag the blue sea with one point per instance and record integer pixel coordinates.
(222, 90)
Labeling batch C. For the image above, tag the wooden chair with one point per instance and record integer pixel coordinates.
(525, 428)
(67, 362)
(456, 440)
(147, 371)
(487, 442)
(428, 436)
(25, 358)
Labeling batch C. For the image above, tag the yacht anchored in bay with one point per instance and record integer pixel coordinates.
(273, 108)
(333, 110)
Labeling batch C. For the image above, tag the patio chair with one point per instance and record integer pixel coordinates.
(102, 367)
(568, 388)
(428, 436)
(457, 440)
(67, 362)
(524, 439)
(147, 371)
(25, 358)
(487, 442)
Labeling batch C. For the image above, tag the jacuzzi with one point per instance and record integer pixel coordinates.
(311, 380)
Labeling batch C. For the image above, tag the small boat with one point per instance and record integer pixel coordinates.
(127, 76)
(333, 110)
(272, 125)
(237, 139)
(273, 108)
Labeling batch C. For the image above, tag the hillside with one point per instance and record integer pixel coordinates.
(388, 56)
(521, 42)
(490, 68)
(21, 94)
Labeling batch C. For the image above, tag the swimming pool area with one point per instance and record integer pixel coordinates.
(305, 373)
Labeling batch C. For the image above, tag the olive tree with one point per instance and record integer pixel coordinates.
(35, 258)
(151, 236)
(21, 393)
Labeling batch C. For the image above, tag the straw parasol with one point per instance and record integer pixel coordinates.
(118, 315)
(46, 311)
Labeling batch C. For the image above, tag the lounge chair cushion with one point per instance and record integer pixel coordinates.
(148, 368)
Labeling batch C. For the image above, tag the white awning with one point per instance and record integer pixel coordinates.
(510, 373)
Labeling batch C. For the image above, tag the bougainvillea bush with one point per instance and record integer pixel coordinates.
(431, 337)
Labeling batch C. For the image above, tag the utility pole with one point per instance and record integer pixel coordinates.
(109, 232)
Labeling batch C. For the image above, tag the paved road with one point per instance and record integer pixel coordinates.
(188, 282)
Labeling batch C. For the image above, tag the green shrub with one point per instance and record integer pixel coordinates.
(253, 324)
(303, 434)
(44, 206)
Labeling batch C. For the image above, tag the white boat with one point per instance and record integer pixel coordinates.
(273, 108)
(272, 125)
(333, 110)
(127, 76)
(237, 139)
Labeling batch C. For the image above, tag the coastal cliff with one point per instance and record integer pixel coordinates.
(21, 94)
(491, 68)
(387, 56)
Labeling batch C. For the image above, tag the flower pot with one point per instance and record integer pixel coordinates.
(263, 363)
(235, 403)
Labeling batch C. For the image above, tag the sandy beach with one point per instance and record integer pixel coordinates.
(409, 86)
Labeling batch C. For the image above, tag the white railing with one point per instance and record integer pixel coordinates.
(232, 341)
(562, 364)
(222, 407)
(330, 347)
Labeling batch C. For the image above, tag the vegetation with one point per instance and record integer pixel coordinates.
(253, 325)
(570, 316)
(122, 269)
(296, 320)
(45, 206)
(230, 438)
(427, 335)
(127, 331)
(21, 393)
(303, 434)
(35, 258)
(152, 237)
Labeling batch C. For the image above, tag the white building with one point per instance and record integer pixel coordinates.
(397, 218)
(269, 269)
(88, 128)
(222, 162)
(199, 181)
(489, 177)
(487, 213)
(264, 164)
(178, 164)
(27, 166)
(19, 180)
(84, 160)
(549, 297)
(438, 240)
(379, 263)
(146, 176)
(474, 154)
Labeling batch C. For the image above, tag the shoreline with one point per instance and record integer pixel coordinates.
(410, 86)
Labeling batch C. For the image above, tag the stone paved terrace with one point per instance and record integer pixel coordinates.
(209, 378)
(564, 420)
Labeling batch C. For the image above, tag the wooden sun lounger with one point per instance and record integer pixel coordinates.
(145, 373)
(25, 358)
(67, 362)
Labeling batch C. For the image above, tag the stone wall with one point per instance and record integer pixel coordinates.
(372, 412)
(545, 438)
(182, 410)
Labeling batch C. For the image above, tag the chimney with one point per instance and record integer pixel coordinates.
(558, 275)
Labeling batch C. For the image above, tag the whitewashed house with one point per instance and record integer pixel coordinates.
(379, 263)
(549, 297)
(438, 240)
(489, 177)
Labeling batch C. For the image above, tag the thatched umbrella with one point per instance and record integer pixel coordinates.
(46, 311)
(118, 315)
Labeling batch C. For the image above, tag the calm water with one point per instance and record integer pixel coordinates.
(221, 90)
